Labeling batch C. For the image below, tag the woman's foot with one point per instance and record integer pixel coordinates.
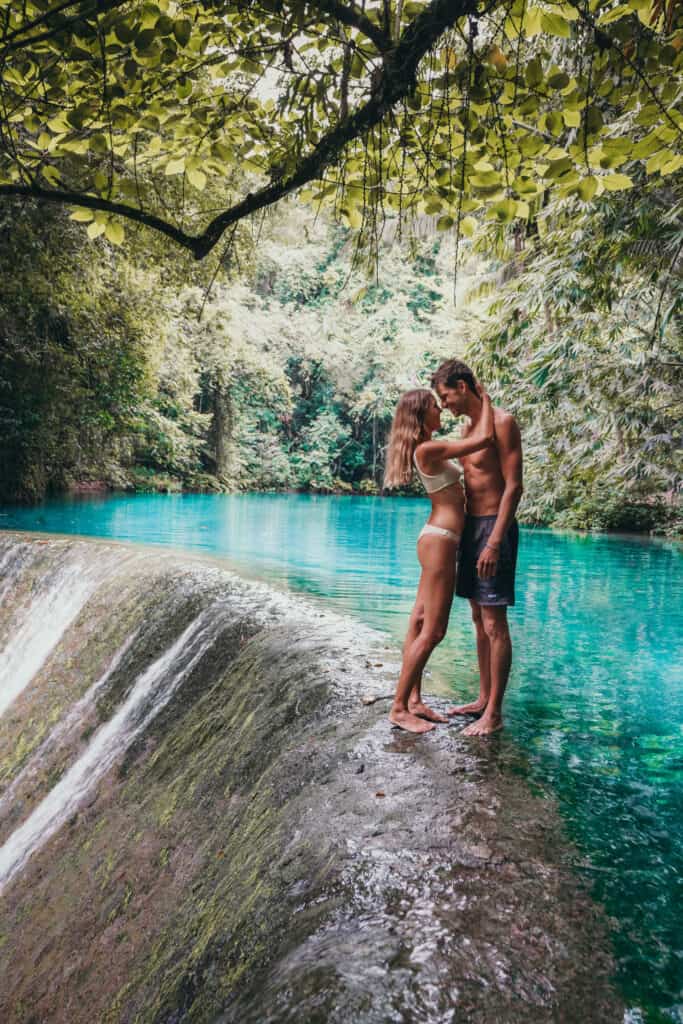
(404, 719)
(477, 707)
(487, 724)
(423, 710)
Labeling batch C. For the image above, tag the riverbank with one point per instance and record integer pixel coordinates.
(263, 847)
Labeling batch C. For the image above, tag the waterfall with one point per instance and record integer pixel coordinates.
(202, 820)
(41, 625)
(66, 727)
(149, 694)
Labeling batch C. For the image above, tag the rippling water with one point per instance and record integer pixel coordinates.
(596, 694)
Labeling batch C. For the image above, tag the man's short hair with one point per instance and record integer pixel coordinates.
(450, 372)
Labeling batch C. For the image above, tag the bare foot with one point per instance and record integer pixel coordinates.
(424, 711)
(484, 726)
(411, 723)
(475, 708)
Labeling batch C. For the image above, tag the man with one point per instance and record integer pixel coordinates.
(488, 550)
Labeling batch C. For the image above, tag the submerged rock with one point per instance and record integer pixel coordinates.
(190, 826)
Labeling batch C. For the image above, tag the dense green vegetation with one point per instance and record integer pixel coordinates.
(535, 147)
(135, 110)
(584, 341)
(123, 369)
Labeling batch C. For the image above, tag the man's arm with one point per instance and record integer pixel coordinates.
(509, 446)
(478, 437)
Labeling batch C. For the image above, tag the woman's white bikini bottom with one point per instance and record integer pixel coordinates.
(439, 531)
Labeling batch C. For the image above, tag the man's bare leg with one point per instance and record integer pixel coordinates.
(496, 628)
(476, 707)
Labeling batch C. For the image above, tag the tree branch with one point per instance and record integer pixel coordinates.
(100, 7)
(396, 80)
(64, 197)
(354, 18)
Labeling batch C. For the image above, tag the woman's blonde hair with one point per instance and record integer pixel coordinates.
(407, 431)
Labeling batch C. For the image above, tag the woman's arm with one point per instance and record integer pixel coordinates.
(479, 437)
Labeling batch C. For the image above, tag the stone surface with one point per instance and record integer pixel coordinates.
(236, 863)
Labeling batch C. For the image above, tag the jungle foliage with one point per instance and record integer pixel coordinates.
(584, 342)
(286, 376)
(533, 146)
(189, 117)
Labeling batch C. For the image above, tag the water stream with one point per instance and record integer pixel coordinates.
(595, 707)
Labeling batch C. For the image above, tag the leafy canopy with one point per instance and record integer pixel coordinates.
(189, 116)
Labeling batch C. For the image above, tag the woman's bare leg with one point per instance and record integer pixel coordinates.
(436, 591)
(415, 703)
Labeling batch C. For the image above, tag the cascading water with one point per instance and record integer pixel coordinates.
(201, 821)
(64, 729)
(149, 694)
(39, 626)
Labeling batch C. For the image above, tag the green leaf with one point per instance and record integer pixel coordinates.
(587, 187)
(196, 178)
(183, 88)
(182, 30)
(555, 25)
(504, 211)
(534, 73)
(82, 215)
(572, 118)
(532, 21)
(671, 165)
(559, 80)
(114, 232)
(593, 119)
(444, 223)
(144, 39)
(164, 25)
(52, 175)
(124, 32)
(559, 168)
(95, 229)
(176, 166)
(353, 216)
(468, 226)
(555, 123)
(616, 182)
(614, 15)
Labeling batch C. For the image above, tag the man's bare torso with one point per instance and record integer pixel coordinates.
(484, 482)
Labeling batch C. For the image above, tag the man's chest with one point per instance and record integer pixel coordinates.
(482, 462)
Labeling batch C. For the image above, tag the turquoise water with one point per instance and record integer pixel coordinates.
(596, 694)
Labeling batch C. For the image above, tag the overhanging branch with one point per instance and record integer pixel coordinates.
(353, 17)
(397, 80)
(65, 197)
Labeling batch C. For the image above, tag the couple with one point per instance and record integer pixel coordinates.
(473, 554)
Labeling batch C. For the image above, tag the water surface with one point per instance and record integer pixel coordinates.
(596, 694)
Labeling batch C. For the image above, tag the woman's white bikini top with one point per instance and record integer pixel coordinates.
(450, 474)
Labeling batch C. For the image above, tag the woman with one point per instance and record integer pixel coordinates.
(417, 417)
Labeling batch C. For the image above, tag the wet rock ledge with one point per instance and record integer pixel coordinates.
(200, 821)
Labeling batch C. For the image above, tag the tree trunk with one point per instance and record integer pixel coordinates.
(374, 447)
(222, 434)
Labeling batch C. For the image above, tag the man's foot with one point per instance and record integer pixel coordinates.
(477, 707)
(422, 710)
(409, 722)
(484, 726)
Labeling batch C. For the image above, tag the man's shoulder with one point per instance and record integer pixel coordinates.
(503, 417)
(505, 423)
